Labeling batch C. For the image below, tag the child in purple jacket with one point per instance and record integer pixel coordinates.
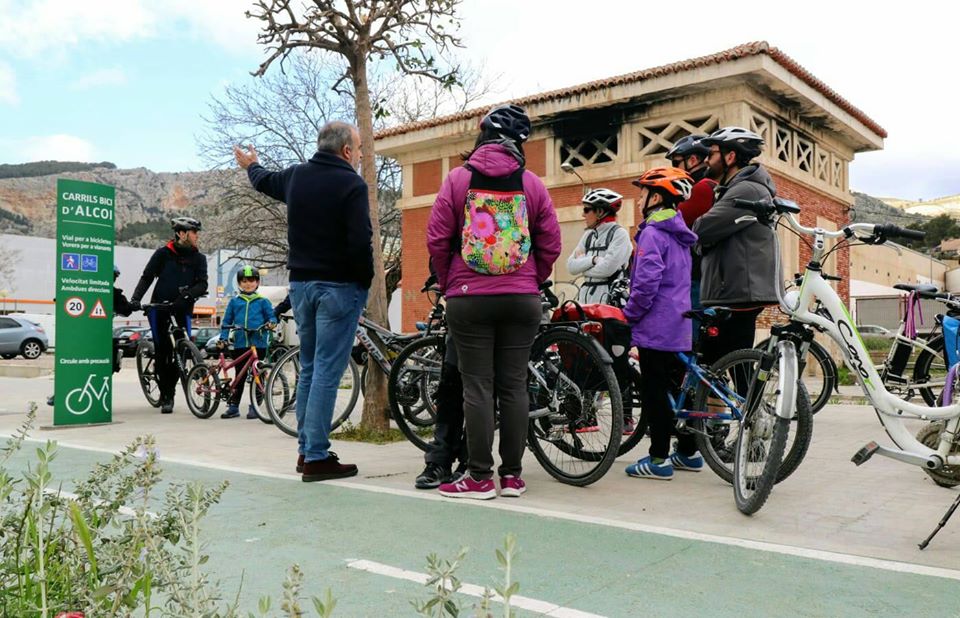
(659, 295)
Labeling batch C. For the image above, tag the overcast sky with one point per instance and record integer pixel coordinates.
(127, 80)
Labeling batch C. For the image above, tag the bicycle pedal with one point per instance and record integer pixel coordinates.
(864, 454)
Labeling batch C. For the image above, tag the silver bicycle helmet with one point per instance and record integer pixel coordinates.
(185, 224)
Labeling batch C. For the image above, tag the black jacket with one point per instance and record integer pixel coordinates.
(121, 306)
(181, 276)
(328, 218)
(738, 266)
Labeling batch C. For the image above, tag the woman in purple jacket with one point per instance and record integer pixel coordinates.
(659, 295)
(493, 236)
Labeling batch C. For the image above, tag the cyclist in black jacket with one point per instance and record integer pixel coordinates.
(180, 271)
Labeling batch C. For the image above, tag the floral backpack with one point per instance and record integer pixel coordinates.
(495, 239)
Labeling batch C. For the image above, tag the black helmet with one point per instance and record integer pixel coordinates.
(509, 121)
(688, 146)
(248, 272)
(745, 143)
(185, 224)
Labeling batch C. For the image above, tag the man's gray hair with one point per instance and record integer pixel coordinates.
(334, 136)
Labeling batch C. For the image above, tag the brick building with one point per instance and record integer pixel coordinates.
(611, 130)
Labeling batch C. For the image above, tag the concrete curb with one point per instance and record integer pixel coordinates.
(24, 371)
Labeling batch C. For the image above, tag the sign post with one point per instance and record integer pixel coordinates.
(83, 376)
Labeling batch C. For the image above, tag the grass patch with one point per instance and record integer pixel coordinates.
(876, 344)
(355, 433)
(845, 377)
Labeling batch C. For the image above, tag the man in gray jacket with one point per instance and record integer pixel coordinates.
(739, 264)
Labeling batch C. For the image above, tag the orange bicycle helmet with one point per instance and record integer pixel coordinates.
(671, 180)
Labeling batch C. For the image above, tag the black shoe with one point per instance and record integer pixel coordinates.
(460, 471)
(327, 469)
(166, 406)
(50, 400)
(432, 476)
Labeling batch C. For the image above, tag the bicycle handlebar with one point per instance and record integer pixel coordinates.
(878, 232)
(889, 230)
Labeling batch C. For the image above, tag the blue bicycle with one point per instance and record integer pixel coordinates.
(711, 402)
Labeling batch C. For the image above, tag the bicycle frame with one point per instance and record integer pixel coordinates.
(386, 336)
(695, 374)
(249, 361)
(840, 327)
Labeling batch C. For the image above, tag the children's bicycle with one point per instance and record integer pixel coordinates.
(710, 402)
(206, 388)
(754, 469)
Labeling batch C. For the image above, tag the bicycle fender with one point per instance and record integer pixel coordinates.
(787, 380)
(603, 354)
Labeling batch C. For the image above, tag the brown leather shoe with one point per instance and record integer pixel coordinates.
(327, 469)
(299, 464)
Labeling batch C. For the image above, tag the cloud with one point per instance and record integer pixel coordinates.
(8, 86)
(100, 77)
(35, 28)
(57, 147)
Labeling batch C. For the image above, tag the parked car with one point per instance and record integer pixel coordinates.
(21, 336)
(203, 334)
(129, 338)
(872, 330)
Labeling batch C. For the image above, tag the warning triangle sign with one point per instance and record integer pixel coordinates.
(98, 310)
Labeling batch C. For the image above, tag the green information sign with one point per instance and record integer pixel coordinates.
(84, 365)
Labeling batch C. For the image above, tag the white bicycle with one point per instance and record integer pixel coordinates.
(79, 400)
(832, 318)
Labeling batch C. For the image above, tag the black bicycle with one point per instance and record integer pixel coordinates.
(571, 385)
(186, 356)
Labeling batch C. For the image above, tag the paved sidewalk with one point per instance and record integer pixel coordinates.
(859, 525)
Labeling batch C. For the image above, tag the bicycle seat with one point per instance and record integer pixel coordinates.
(710, 315)
(924, 289)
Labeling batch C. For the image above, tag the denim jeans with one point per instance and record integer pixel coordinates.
(327, 314)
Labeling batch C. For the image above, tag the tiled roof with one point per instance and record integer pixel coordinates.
(741, 51)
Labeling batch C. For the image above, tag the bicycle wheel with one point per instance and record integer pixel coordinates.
(716, 439)
(147, 373)
(632, 409)
(819, 375)
(281, 393)
(281, 403)
(412, 388)
(203, 390)
(930, 370)
(189, 358)
(258, 392)
(763, 437)
(576, 417)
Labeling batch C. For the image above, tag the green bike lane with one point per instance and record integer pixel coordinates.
(264, 524)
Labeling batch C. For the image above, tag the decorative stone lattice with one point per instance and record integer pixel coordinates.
(786, 144)
(589, 150)
(656, 139)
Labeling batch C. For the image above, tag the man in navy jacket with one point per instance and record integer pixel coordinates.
(331, 265)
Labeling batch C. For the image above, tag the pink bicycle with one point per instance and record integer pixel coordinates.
(206, 388)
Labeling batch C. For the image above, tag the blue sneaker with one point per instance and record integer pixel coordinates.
(251, 412)
(646, 469)
(692, 463)
(232, 412)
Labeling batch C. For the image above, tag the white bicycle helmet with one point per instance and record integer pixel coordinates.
(604, 198)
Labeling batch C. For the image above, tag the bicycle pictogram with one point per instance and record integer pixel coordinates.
(79, 400)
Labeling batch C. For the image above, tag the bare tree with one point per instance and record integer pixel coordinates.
(403, 32)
